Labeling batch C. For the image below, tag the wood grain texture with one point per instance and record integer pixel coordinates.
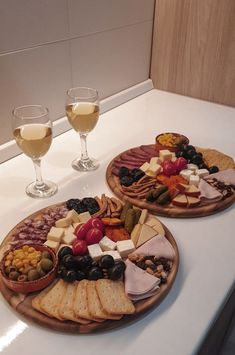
(23, 303)
(168, 210)
(193, 50)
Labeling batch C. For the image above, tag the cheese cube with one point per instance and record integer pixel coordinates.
(95, 251)
(194, 180)
(84, 217)
(77, 224)
(154, 168)
(165, 154)
(74, 216)
(202, 173)
(155, 160)
(114, 253)
(173, 159)
(186, 173)
(144, 167)
(69, 230)
(192, 167)
(52, 244)
(63, 222)
(125, 247)
(150, 173)
(107, 244)
(55, 234)
(68, 238)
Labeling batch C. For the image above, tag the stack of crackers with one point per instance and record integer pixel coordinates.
(84, 301)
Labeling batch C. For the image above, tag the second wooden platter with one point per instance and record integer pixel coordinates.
(168, 210)
(22, 303)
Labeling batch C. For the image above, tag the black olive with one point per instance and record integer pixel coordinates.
(95, 273)
(213, 169)
(121, 264)
(137, 174)
(184, 147)
(126, 180)
(190, 147)
(68, 261)
(123, 171)
(64, 251)
(203, 166)
(80, 275)
(82, 262)
(181, 153)
(115, 272)
(191, 153)
(106, 261)
(60, 271)
(196, 159)
(69, 275)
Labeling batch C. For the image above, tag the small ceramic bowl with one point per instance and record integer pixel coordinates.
(159, 146)
(30, 286)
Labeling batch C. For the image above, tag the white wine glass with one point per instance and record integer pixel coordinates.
(82, 110)
(32, 130)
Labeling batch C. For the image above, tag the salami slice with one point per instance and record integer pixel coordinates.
(149, 149)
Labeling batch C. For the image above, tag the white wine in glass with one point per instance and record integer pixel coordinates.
(32, 130)
(82, 110)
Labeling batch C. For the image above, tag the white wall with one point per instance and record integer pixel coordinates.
(48, 46)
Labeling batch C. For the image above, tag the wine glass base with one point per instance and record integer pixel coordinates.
(48, 189)
(85, 165)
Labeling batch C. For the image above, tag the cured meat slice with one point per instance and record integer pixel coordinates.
(139, 153)
(149, 149)
(130, 157)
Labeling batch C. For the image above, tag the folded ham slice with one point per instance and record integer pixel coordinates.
(208, 192)
(158, 246)
(138, 283)
(227, 176)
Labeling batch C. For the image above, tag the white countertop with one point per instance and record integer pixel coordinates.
(207, 245)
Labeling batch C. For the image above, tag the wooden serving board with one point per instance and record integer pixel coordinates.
(168, 210)
(22, 303)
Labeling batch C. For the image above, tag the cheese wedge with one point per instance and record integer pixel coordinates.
(151, 221)
(143, 216)
(193, 201)
(135, 233)
(146, 234)
(180, 200)
(159, 228)
(192, 191)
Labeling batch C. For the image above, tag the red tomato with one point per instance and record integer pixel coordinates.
(79, 247)
(169, 168)
(180, 164)
(93, 236)
(81, 231)
(96, 223)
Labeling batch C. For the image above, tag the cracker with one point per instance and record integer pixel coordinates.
(80, 304)
(51, 301)
(66, 306)
(113, 297)
(37, 299)
(214, 157)
(94, 304)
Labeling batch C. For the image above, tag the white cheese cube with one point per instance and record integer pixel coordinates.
(84, 217)
(74, 216)
(125, 247)
(186, 173)
(95, 251)
(155, 160)
(173, 159)
(68, 238)
(63, 222)
(77, 224)
(69, 229)
(144, 167)
(192, 167)
(150, 173)
(202, 173)
(114, 253)
(194, 180)
(154, 168)
(165, 154)
(107, 244)
(55, 234)
(52, 244)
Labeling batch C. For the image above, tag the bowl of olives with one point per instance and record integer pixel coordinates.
(170, 141)
(28, 268)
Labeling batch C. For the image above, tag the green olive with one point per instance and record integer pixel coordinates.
(22, 278)
(33, 275)
(13, 275)
(46, 255)
(46, 264)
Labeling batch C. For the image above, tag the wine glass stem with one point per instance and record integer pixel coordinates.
(84, 155)
(37, 166)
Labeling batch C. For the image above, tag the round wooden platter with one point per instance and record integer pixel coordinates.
(22, 302)
(168, 210)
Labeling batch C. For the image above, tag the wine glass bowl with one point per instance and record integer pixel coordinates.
(32, 130)
(82, 110)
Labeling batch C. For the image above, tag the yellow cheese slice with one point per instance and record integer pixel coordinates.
(135, 233)
(146, 233)
(159, 228)
(143, 216)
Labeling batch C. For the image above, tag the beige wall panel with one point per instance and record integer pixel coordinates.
(194, 49)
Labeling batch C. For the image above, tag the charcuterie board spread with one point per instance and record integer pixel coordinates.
(173, 178)
(86, 265)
